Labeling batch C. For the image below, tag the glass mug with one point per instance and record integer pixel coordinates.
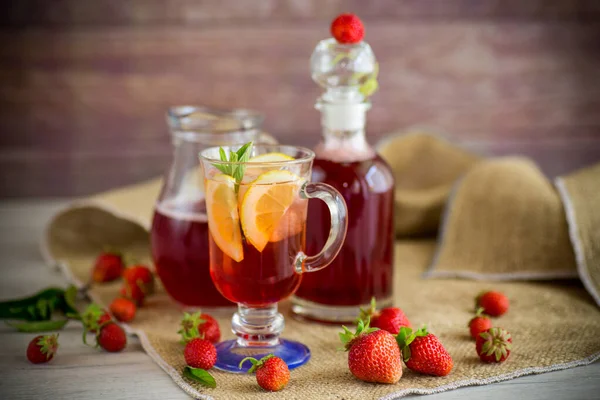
(257, 224)
(179, 234)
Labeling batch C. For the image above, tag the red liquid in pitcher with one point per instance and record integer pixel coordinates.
(261, 278)
(179, 241)
(364, 266)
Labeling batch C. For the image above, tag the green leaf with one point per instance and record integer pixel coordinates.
(236, 168)
(223, 168)
(32, 310)
(70, 297)
(200, 375)
(38, 326)
(222, 154)
(189, 326)
(238, 175)
(43, 308)
(403, 336)
(406, 353)
(422, 331)
(27, 308)
(244, 151)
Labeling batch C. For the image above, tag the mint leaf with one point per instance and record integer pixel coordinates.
(200, 375)
(243, 151)
(235, 170)
(226, 169)
(222, 154)
(223, 168)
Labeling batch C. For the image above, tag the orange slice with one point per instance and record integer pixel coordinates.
(271, 157)
(223, 217)
(266, 201)
(252, 172)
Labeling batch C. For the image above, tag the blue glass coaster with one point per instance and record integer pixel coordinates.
(230, 354)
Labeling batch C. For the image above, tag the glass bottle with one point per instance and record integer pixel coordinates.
(179, 234)
(364, 267)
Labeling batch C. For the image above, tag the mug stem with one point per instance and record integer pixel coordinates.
(339, 224)
(257, 326)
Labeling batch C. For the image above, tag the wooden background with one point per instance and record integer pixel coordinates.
(84, 84)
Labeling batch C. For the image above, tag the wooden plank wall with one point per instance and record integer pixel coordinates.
(84, 84)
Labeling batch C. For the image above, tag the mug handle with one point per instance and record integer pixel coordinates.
(339, 224)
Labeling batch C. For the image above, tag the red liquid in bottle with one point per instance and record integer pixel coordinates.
(364, 266)
(261, 278)
(179, 241)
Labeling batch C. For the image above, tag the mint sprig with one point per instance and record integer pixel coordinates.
(235, 170)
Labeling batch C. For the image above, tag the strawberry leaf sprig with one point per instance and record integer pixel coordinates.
(235, 168)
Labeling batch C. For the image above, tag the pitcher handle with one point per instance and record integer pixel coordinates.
(339, 224)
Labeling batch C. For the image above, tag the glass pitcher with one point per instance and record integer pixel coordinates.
(179, 234)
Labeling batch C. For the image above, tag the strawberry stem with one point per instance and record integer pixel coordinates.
(362, 328)
(406, 336)
(256, 364)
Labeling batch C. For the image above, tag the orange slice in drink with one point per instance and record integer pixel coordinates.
(223, 217)
(252, 172)
(265, 202)
(271, 157)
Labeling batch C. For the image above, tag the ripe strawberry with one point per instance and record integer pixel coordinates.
(389, 319)
(93, 317)
(494, 345)
(200, 353)
(42, 348)
(493, 303)
(479, 323)
(141, 276)
(133, 292)
(138, 283)
(111, 337)
(272, 373)
(423, 352)
(347, 29)
(123, 309)
(108, 267)
(198, 325)
(373, 355)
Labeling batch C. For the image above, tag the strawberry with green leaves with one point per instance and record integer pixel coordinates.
(389, 319)
(94, 316)
(373, 355)
(42, 349)
(423, 352)
(494, 345)
(272, 373)
(199, 325)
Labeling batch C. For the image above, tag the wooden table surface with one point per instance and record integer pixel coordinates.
(80, 372)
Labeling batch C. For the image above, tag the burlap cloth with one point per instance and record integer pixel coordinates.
(501, 229)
